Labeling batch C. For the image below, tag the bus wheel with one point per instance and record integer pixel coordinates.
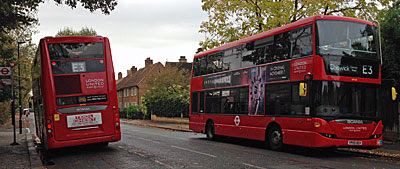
(275, 138)
(210, 132)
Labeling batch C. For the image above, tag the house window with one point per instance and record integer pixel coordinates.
(132, 91)
(135, 91)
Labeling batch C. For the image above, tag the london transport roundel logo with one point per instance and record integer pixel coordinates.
(237, 120)
(5, 71)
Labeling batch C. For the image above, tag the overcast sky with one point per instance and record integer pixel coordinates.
(160, 29)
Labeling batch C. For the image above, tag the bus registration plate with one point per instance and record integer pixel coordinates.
(84, 120)
(357, 143)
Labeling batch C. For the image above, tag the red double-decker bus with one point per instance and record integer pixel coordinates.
(311, 83)
(75, 96)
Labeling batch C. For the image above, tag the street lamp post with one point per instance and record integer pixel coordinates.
(19, 89)
(13, 107)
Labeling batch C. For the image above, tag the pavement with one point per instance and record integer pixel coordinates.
(24, 155)
(175, 126)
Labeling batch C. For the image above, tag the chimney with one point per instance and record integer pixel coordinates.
(119, 75)
(128, 72)
(148, 62)
(182, 59)
(133, 69)
(199, 50)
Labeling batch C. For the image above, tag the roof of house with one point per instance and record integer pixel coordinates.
(180, 65)
(118, 80)
(136, 78)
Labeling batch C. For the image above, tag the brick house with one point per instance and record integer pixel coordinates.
(182, 64)
(132, 87)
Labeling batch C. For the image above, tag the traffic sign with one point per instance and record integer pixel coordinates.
(12, 64)
(5, 71)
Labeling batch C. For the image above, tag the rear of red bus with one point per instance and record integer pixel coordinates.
(79, 92)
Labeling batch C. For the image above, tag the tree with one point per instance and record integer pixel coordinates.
(70, 32)
(169, 93)
(27, 53)
(390, 32)
(230, 20)
(21, 15)
(16, 14)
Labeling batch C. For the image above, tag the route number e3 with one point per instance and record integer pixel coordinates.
(367, 70)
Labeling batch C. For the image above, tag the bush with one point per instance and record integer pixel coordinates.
(168, 107)
(134, 112)
(4, 111)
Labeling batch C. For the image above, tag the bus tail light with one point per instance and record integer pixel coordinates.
(117, 120)
(49, 128)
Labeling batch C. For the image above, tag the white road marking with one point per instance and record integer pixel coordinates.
(253, 166)
(161, 163)
(148, 140)
(193, 151)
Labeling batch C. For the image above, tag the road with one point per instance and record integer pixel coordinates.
(143, 147)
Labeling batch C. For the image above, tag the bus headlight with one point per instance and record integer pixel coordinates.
(375, 136)
(328, 135)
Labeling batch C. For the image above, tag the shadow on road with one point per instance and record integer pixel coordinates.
(298, 150)
(56, 155)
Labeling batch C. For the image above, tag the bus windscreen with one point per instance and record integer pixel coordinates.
(351, 39)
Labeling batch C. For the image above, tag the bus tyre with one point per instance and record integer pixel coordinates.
(210, 131)
(275, 138)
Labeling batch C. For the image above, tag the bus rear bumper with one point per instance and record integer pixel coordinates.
(321, 141)
(69, 143)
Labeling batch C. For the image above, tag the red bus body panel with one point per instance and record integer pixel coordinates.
(301, 131)
(61, 135)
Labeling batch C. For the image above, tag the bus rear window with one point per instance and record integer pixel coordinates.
(88, 50)
(67, 84)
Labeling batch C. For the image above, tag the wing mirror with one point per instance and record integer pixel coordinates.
(303, 89)
(394, 93)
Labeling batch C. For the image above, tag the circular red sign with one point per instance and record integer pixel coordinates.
(4, 71)
(12, 64)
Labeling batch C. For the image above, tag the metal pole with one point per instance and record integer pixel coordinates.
(12, 106)
(19, 93)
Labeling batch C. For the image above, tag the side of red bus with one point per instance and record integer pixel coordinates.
(251, 88)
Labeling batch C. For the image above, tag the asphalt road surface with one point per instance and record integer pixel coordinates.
(147, 148)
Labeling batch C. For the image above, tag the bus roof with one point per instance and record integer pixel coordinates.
(73, 39)
(281, 29)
